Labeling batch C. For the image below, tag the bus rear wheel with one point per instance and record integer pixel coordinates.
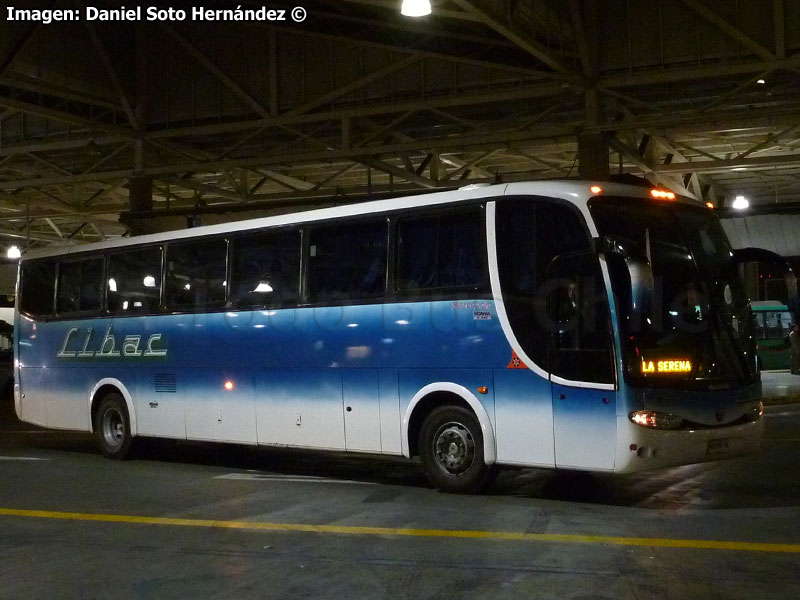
(112, 426)
(451, 449)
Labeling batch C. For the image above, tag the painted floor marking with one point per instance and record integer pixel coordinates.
(288, 478)
(424, 533)
(21, 458)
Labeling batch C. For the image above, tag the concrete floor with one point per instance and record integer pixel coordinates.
(780, 386)
(202, 521)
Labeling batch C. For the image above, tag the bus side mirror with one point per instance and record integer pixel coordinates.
(745, 255)
(640, 274)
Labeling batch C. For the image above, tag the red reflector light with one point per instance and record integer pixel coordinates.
(662, 194)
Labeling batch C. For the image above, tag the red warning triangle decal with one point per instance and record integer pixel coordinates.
(516, 362)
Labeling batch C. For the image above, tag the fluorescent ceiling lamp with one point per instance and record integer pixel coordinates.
(740, 203)
(263, 288)
(149, 281)
(415, 8)
(13, 252)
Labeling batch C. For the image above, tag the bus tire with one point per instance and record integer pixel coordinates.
(451, 449)
(112, 426)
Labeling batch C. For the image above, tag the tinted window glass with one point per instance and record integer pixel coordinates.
(195, 273)
(266, 269)
(37, 287)
(441, 251)
(134, 280)
(347, 261)
(553, 289)
(79, 285)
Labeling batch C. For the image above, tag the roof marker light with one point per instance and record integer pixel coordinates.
(710, 204)
(596, 189)
(662, 194)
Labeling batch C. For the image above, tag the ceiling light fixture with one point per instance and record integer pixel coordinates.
(13, 253)
(740, 203)
(415, 8)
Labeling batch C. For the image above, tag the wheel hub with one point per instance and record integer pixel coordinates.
(454, 448)
(113, 427)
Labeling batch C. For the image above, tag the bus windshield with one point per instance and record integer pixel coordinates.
(698, 331)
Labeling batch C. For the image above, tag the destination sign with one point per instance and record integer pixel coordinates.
(671, 365)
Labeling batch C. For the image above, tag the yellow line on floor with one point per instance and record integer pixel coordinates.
(392, 531)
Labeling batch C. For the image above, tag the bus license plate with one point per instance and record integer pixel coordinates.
(718, 446)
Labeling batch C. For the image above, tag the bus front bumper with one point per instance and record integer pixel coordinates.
(640, 448)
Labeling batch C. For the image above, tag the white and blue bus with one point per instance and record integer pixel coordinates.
(545, 324)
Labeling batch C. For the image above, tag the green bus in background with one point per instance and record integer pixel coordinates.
(773, 323)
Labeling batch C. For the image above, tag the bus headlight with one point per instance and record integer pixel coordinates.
(656, 420)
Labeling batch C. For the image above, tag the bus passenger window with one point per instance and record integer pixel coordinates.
(443, 251)
(195, 274)
(347, 261)
(37, 287)
(134, 280)
(265, 269)
(79, 285)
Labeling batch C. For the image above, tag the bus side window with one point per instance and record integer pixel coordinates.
(442, 251)
(37, 287)
(758, 320)
(265, 269)
(134, 280)
(195, 275)
(347, 261)
(79, 285)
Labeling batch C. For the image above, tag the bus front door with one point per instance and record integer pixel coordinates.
(585, 427)
(581, 364)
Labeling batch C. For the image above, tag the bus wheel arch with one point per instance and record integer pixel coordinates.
(101, 390)
(450, 402)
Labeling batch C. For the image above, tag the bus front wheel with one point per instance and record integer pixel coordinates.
(112, 426)
(451, 449)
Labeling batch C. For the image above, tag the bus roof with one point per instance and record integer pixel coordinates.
(575, 192)
(768, 305)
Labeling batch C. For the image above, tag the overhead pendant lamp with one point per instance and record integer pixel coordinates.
(415, 8)
(740, 203)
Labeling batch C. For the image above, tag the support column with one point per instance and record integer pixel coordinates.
(593, 147)
(749, 273)
(593, 156)
(140, 200)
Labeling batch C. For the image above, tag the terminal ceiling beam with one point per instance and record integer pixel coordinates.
(735, 33)
(359, 100)
(519, 38)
